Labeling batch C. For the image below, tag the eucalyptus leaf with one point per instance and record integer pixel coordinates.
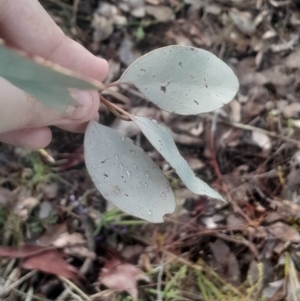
(161, 138)
(183, 79)
(47, 82)
(125, 175)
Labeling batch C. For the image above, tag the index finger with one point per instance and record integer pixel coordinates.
(27, 26)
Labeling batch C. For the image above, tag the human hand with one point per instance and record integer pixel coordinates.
(24, 121)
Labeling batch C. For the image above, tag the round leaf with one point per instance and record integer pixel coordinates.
(161, 138)
(125, 175)
(183, 79)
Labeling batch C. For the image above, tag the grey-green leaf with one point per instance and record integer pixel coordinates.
(161, 138)
(183, 79)
(125, 175)
(45, 81)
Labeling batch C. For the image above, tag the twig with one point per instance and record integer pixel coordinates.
(242, 241)
(105, 294)
(115, 109)
(159, 278)
(63, 295)
(110, 85)
(118, 96)
(74, 13)
(215, 164)
(16, 283)
(69, 291)
(270, 173)
(29, 294)
(33, 296)
(88, 229)
(75, 288)
(196, 267)
(168, 173)
(248, 127)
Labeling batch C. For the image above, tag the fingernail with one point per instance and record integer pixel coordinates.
(84, 103)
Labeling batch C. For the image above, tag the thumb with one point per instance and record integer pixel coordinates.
(20, 110)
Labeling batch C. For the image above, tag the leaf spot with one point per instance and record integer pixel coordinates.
(180, 64)
(163, 88)
(116, 189)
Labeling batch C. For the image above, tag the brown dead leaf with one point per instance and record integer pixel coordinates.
(132, 253)
(233, 221)
(194, 128)
(293, 60)
(20, 251)
(291, 111)
(51, 262)
(74, 244)
(253, 271)
(243, 21)
(25, 203)
(195, 163)
(186, 139)
(292, 187)
(284, 232)
(122, 277)
(220, 252)
(65, 240)
(49, 190)
(51, 234)
(225, 261)
(103, 28)
(135, 7)
(233, 273)
(160, 12)
(43, 259)
(127, 52)
(262, 140)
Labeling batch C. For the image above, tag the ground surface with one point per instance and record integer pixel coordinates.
(77, 247)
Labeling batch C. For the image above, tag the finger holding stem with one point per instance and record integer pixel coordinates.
(117, 111)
